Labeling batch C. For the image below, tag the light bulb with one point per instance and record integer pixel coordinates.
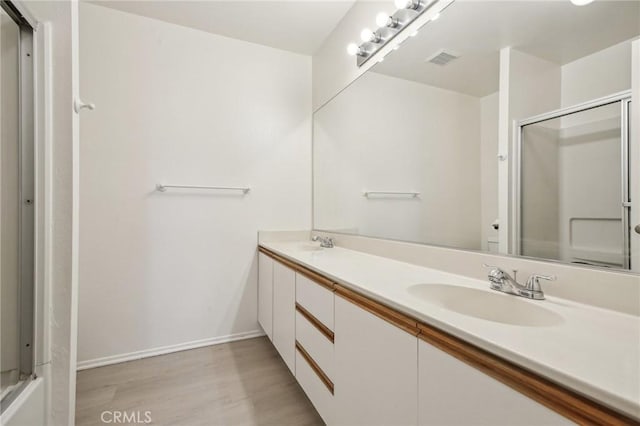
(581, 2)
(367, 35)
(353, 49)
(382, 19)
(407, 4)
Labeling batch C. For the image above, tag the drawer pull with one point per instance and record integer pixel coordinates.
(326, 332)
(315, 367)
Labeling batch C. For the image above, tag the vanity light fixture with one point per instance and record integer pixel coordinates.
(389, 26)
(581, 2)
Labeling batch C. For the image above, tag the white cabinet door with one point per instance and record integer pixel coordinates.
(265, 294)
(454, 393)
(376, 370)
(284, 313)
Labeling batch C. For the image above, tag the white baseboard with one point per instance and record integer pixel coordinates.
(146, 353)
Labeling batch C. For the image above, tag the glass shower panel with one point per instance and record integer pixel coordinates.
(9, 204)
(571, 193)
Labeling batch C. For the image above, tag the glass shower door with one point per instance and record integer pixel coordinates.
(9, 209)
(573, 191)
(16, 204)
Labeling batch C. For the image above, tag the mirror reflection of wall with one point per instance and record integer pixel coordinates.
(439, 118)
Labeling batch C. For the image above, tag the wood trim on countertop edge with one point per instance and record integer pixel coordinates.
(558, 398)
(315, 367)
(326, 332)
(312, 275)
(390, 315)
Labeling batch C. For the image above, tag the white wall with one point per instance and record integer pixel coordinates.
(387, 134)
(600, 74)
(177, 105)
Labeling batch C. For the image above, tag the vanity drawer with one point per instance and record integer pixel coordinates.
(316, 299)
(317, 343)
(319, 392)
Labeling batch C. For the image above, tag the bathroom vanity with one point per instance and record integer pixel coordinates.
(480, 132)
(376, 341)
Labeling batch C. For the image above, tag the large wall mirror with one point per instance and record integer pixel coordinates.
(503, 126)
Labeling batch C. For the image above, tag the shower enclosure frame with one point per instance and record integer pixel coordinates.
(624, 98)
(26, 197)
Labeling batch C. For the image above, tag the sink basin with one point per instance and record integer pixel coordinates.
(487, 305)
(309, 247)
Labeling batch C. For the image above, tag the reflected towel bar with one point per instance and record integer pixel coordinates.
(413, 194)
(162, 188)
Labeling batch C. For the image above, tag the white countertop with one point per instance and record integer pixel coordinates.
(591, 350)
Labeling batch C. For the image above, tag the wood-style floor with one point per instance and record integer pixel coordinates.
(239, 383)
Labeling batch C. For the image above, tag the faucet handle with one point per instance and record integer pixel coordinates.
(533, 283)
(486, 265)
(496, 275)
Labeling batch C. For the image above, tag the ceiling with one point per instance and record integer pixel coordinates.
(476, 30)
(295, 25)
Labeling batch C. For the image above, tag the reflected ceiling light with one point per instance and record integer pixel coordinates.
(437, 15)
(383, 19)
(581, 2)
(369, 36)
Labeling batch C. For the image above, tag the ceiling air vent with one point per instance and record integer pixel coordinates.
(442, 57)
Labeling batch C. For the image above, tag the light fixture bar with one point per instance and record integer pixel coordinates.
(389, 26)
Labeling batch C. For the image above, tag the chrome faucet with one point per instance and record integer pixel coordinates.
(326, 242)
(502, 281)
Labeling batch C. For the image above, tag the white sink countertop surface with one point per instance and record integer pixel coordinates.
(591, 350)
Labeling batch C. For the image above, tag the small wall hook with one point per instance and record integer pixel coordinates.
(78, 105)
